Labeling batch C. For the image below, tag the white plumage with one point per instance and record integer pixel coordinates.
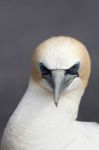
(61, 67)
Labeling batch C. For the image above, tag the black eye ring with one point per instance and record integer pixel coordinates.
(76, 66)
(46, 74)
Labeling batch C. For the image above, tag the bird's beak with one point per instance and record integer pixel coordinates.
(60, 81)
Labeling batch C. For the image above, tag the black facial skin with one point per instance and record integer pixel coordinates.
(73, 72)
(46, 73)
(74, 69)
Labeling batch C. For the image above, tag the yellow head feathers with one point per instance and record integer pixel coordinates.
(61, 53)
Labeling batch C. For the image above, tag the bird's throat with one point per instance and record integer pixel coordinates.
(37, 118)
(43, 102)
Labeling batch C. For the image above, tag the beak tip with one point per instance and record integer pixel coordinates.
(56, 104)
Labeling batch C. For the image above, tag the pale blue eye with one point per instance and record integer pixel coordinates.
(74, 69)
(45, 71)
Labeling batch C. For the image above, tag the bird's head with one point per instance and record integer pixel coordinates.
(61, 65)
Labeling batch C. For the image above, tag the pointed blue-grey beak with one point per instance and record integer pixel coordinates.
(61, 80)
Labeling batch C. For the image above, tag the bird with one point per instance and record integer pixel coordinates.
(46, 116)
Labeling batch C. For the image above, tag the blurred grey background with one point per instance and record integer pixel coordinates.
(24, 24)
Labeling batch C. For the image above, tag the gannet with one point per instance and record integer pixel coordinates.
(45, 118)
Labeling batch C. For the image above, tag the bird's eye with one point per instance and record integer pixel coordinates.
(45, 71)
(74, 69)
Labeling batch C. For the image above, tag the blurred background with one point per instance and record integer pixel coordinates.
(24, 24)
